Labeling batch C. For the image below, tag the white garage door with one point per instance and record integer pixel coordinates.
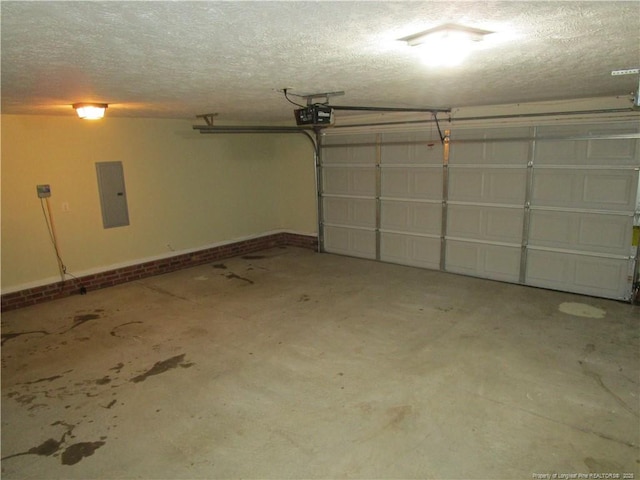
(410, 199)
(584, 196)
(486, 199)
(549, 207)
(349, 195)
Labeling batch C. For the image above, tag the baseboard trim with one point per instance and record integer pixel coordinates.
(116, 276)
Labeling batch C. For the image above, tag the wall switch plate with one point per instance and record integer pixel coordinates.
(44, 191)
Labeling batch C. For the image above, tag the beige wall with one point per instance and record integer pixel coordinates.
(184, 189)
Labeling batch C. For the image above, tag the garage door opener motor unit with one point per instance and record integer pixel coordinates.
(314, 115)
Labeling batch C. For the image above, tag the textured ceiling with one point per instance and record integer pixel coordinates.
(180, 59)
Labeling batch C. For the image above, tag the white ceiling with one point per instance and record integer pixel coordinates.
(179, 59)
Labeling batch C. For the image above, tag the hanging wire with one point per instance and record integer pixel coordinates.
(61, 265)
(284, 90)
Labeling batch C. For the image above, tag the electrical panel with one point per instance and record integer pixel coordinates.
(44, 191)
(113, 197)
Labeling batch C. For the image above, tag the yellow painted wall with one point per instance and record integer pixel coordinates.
(298, 201)
(185, 191)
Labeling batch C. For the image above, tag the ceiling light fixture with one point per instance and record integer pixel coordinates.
(90, 111)
(446, 45)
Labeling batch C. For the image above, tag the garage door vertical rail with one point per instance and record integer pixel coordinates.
(319, 189)
(527, 207)
(445, 196)
(378, 192)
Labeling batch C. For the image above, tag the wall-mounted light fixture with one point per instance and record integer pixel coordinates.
(447, 44)
(90, 111)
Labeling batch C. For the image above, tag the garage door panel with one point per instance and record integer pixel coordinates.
(350, 211)
(410, 250)
(349, 181)
(588, 129)
(340, 155)
(506, 186)
(418, 183)
(411, 217)
(487, 134)
(481, 260)
(588, 189)
(599, 276)
(609, 190)
(605, 233)
(348, 241)
(609, 234)
(507, 153)
(464, 221)
(485, 223)
(428, 152)
(344, 139)
(617, 152)
(597, 151)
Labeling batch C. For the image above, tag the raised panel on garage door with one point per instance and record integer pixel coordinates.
(349, 181)
(412, 183)
(411, 148)
(350, 241)
(408, 249)
(482, 260)
(411, 217)
(350, 212)
(491, 224)
(483, 151)
(582, 231)
(602, 189)
(590, 275)
(588, 151)
(348, 149)
(497, 185)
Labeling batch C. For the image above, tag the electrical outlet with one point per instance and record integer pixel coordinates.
(44, 191)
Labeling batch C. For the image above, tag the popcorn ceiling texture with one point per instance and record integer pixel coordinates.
(180, 59)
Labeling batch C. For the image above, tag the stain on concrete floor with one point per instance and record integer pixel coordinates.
(581, 310)
(10, 336)
(232, 276)
(117, 327)
(161, 367)
(71, 454)
(76, 452)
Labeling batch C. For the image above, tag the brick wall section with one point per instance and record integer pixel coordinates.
(44, 293)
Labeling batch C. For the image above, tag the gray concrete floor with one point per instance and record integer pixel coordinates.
(291, 364)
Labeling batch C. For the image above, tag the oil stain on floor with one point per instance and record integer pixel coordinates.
(71, 455)
(76, 452)
(231, 276)
(10, 336)
(163, 366)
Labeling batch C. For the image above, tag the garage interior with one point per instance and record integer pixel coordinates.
(294, 248)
